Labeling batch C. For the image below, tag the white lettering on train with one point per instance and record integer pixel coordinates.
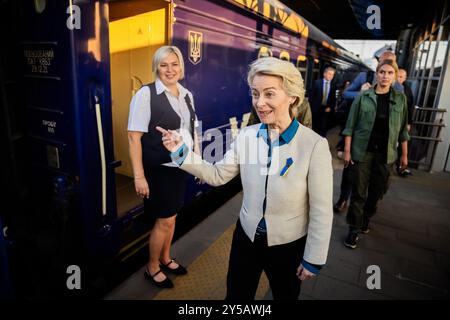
(51, 125)
(39, 59)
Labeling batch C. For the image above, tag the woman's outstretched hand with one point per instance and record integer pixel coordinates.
(171, 139)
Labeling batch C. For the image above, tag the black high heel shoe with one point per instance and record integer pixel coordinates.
(178, 271)
(165, 284)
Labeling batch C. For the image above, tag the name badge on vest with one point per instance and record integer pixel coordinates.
(286, 168)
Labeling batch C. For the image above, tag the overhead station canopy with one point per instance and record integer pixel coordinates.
(357, 19)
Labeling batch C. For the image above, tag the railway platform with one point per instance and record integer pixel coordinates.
(409, 241)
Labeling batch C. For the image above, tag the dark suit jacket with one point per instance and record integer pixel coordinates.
(317, 94)
(410, 101)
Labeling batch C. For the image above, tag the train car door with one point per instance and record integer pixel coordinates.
(80, 64)
(136, 30)
(65, 92)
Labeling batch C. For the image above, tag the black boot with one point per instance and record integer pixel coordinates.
(365, 226)
(351, 240)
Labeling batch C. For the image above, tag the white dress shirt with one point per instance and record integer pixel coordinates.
(140, 111)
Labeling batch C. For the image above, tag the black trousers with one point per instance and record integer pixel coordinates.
(321, 120)
(248, 259)
(370, 181)
(346, 183)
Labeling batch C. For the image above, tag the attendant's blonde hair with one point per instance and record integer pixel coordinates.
(162, 53)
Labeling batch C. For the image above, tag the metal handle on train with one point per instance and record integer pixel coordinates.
(102, 151)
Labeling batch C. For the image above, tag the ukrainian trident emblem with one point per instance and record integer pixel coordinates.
(195, 47)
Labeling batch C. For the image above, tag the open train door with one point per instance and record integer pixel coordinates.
(65, 92)
(137, 28)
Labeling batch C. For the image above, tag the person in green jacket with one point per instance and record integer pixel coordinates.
(377, 123)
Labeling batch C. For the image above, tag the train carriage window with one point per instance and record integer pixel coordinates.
(264, 52)
(284, 55)
(302, 64)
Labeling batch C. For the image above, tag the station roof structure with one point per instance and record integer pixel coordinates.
(347, 19)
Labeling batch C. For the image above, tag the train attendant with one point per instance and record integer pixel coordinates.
(376, 124)
(284, 224)
(159, 182)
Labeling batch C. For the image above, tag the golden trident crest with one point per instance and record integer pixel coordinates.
(195, 46)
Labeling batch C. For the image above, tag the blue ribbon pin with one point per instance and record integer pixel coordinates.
(285, 170)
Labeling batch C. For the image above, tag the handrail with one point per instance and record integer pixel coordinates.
(427, 124)
(102, 152)
(432, 124)
(426, 138)
(431, 109)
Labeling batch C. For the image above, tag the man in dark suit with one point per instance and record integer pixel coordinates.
(323, 100)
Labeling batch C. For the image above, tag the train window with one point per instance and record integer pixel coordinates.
(302, 64)
(284, 55)
(264, 52)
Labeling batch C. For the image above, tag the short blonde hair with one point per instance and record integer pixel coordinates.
(289, 74)
(162, 53)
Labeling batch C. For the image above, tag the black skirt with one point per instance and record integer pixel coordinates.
(167, 188)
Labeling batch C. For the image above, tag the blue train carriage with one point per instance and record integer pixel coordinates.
(81, 65)
(288, 36)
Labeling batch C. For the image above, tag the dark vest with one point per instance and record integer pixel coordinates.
(162, 114)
